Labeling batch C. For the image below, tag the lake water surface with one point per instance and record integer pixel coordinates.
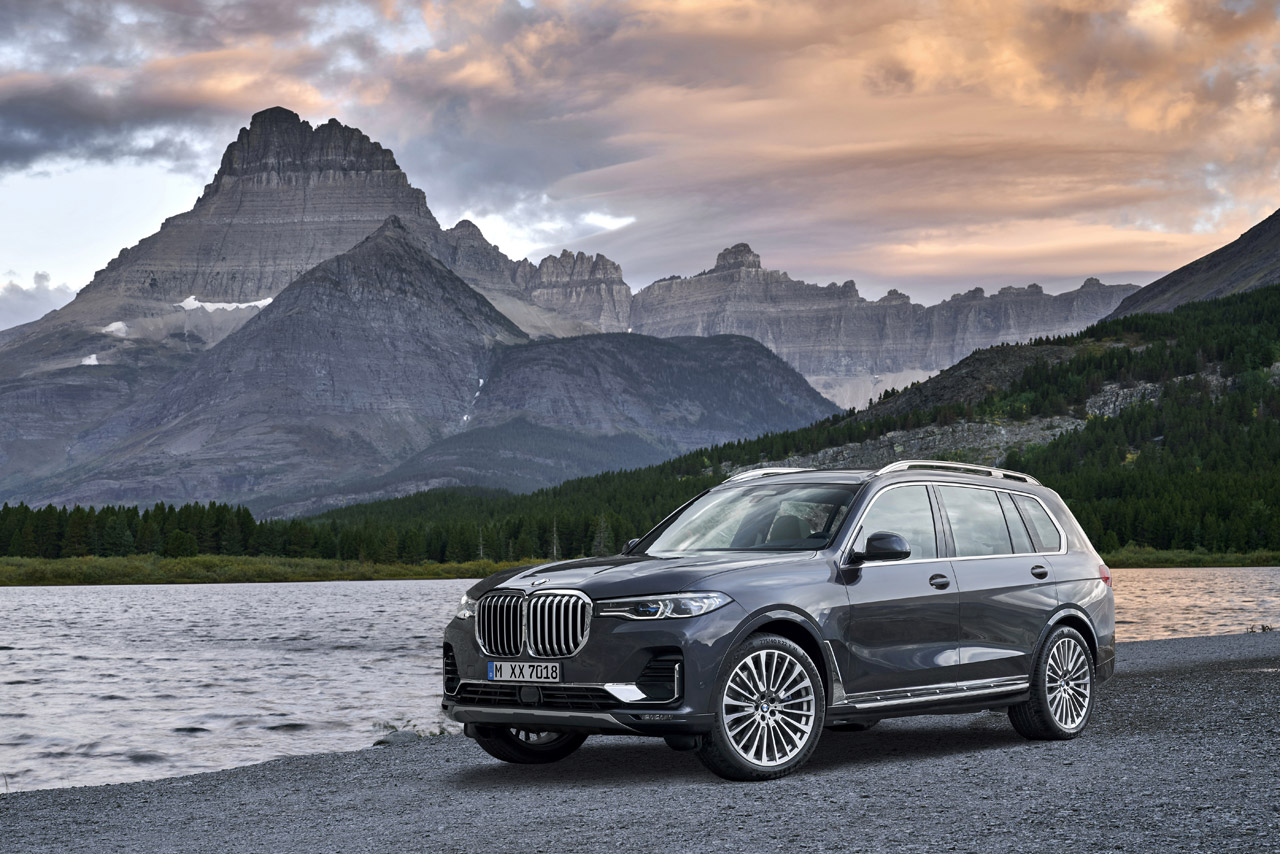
(112, 684)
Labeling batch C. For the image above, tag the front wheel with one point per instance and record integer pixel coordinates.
(770, 706)
(527, 746)
(1062, 690)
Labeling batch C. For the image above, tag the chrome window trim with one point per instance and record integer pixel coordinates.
(847, 547)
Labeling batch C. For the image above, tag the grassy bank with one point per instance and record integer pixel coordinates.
(213, 569)
(1141, 557)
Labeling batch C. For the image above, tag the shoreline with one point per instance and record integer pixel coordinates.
(1208, 704)
(216, 569)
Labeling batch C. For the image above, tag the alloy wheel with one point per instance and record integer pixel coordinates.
(1068, 683)
(768, 708)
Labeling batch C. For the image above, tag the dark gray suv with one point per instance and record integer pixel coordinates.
(786, 601)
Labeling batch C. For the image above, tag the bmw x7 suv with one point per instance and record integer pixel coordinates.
(784, 602)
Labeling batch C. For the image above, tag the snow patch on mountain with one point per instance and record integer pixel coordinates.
(191, 304)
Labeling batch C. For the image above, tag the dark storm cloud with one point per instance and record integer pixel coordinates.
(871, 139)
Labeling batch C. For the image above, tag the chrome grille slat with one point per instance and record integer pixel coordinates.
(544, 624)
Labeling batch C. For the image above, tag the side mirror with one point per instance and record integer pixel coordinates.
(630, 544)
(882, 545)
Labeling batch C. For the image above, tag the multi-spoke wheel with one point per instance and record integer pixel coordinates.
(527, 746)
(1062, 689)
(770, 707)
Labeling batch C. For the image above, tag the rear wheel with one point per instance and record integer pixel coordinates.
(769, 711)
(527, 746)
(1062, 689)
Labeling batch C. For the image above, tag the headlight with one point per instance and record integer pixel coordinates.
(662, 607)
(466, 608)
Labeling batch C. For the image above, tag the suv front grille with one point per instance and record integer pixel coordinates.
(500, 623)
(572, 698)
(553, 624)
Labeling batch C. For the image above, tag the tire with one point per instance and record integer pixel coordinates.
(769, 709)
(1063, 690)
(525, 746)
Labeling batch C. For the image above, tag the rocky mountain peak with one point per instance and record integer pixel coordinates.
(278, 147)
(737, 257)
(1091, 282)
(570, 268)
(894, 297)
(465, 229)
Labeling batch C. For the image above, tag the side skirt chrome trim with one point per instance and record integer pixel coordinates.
(933, 693)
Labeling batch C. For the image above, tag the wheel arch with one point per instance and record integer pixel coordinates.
(796, 628)
(1077, 619)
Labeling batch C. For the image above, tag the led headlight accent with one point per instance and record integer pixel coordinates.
(664, 607)
(466, 608)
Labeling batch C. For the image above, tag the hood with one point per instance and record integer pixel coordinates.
(626, 575)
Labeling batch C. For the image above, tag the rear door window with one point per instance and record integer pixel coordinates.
(902, 510)
(977, 522)
(1040, 523)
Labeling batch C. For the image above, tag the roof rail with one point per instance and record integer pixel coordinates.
(970, 468)
(763, 472)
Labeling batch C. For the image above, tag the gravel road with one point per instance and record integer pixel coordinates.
(1181, 756)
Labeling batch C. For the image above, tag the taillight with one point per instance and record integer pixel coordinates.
(1105, 574)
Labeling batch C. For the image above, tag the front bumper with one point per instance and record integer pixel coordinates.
(601, 686)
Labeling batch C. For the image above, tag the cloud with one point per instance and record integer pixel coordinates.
(883, 140)
(20, 304)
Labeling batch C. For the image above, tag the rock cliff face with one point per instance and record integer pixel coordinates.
(585, 288)
(850, 348)
(1250, 261)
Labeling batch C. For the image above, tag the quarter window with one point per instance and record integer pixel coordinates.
(905, 511)
(1038, 518)
(977, 522)
(1017, 530)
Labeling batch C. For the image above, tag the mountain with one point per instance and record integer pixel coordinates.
(553, 410)
(203, 361)
(361, 361)
(377, 354)
(850, 348)
(1250, 261)
(286, 197)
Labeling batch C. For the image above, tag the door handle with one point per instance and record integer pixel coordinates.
(940, 581)
(1039, 571)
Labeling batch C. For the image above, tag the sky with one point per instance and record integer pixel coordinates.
(927, 146)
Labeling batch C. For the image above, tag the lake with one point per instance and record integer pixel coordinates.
(112, 684)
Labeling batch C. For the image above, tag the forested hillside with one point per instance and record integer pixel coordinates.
(1196, 468)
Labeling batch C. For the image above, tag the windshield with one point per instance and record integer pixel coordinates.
(764, 517)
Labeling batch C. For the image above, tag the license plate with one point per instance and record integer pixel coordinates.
(524, 671)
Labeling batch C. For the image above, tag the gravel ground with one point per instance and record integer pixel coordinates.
(1181, 756)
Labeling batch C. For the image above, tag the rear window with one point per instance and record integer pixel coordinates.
(1040, 523)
